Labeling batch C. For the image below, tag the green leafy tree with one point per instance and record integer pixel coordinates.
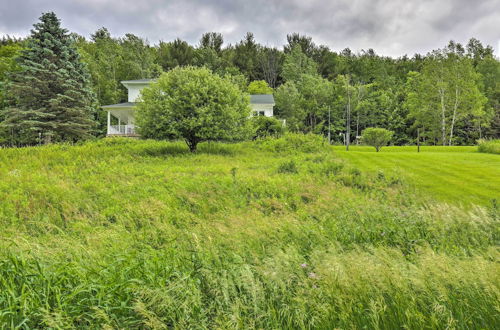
(259, 87)
(376, 137)
(297, 64)
(444, 94)
(208, 58)
(489, 68)
(316, 98)
(176, 53)
(306, 44)
(305, 104)
(8, 64)
(195, 105)
(288, 99)
(138, 58)
(51, 96)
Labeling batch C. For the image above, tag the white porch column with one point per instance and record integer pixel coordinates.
(119, 125)
(109, 121)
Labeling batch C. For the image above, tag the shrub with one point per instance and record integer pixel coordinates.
(489, 146)
(376, 137)
(266, 127)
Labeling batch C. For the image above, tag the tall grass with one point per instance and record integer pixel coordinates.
(489, 146)
(143, 234)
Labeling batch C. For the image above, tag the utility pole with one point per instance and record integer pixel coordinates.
(348, 115)
(329, 126)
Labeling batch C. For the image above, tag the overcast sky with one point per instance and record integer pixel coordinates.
(391, 27)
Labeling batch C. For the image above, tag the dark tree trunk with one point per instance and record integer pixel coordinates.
(192, 144)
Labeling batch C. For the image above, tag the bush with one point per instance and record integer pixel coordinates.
(489, 146)
(376, 137)
(266, 127)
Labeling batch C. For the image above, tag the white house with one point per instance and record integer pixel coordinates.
(121, 116)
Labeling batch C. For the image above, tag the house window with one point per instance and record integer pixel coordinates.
(259, 113)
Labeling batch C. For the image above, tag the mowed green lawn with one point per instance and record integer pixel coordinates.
(454, 174)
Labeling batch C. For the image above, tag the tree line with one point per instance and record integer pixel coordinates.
(451, 95)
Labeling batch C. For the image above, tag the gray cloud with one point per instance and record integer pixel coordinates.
(391, 27)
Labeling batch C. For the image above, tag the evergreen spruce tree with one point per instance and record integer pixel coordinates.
(51, 97)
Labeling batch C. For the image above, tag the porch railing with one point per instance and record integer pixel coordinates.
(121, 129)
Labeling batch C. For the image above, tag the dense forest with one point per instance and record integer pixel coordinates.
(450, 95)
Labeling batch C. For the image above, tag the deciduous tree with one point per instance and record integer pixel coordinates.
(259, 87)
(195, 105)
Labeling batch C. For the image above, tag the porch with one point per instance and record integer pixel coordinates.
(122, 130)
(121, 119)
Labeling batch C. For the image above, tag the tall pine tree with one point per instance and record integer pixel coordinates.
(51, 97)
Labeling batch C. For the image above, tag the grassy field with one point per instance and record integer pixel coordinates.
(270, 234)
(458, 175)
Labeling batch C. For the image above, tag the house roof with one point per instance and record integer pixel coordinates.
(138, 81)
(262, 99)
(120, 105)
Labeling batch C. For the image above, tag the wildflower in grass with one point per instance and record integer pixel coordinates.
(312, 275)
(304, 265)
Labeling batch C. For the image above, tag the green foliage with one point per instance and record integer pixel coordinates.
(259, 87)
(195, 105)
(489, 146)
(143, 234)
(8, 54)
(50, 96)
(266, 127)
(400, 94)
(376, 137)
(174, 54)
(305, 104)
(445, 95)
(381, 90)
(212, 40)
(297, 64)
(245, 56)
(288, 167)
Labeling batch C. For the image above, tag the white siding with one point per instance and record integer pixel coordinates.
(134, 91)
(267, 108)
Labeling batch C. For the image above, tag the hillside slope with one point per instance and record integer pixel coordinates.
(277, 234)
